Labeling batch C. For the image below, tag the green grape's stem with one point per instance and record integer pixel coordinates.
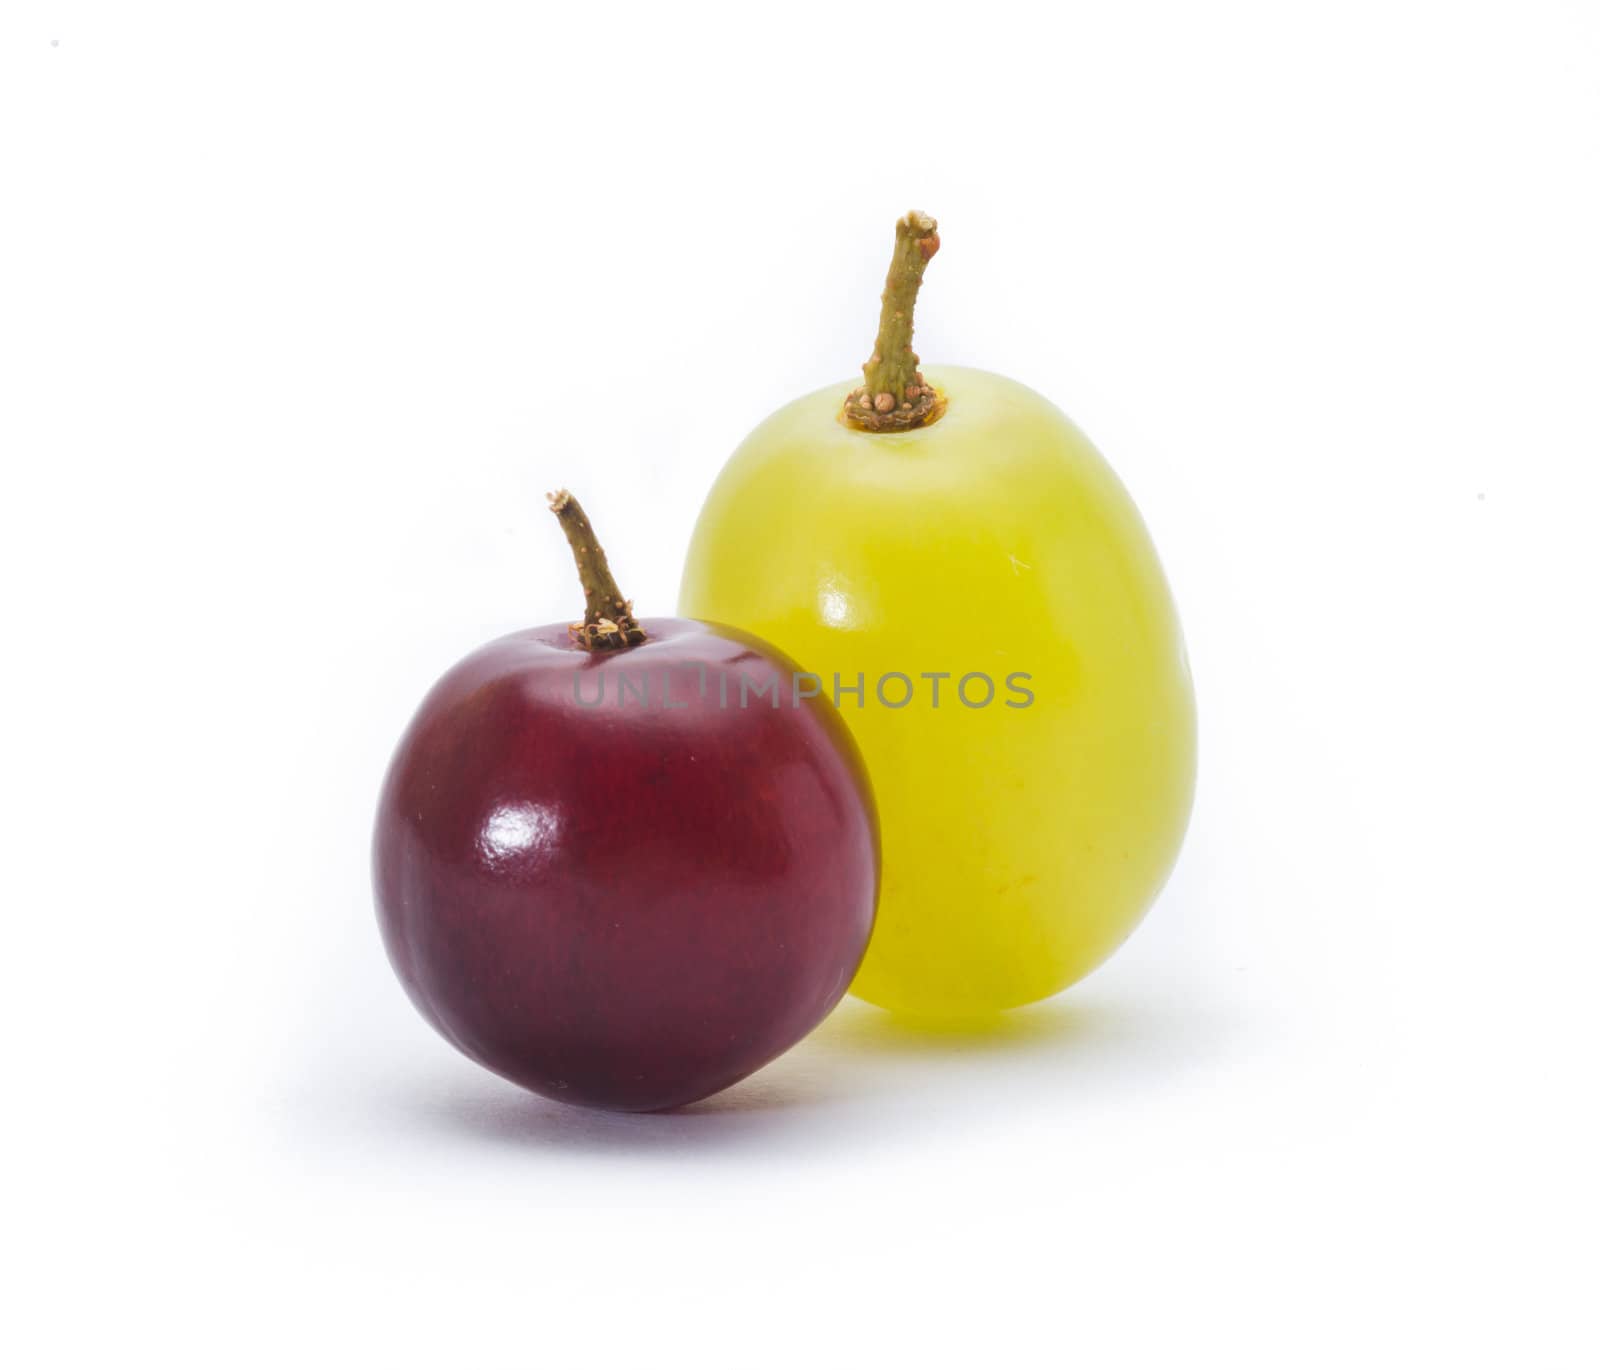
(895, 397)
(608, 621)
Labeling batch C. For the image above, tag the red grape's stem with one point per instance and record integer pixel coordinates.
(608, 621)
(895, 397)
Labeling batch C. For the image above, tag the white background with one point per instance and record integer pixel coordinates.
(302, 308)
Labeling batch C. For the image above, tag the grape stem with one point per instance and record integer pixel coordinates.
(608, 621)
(895, 397)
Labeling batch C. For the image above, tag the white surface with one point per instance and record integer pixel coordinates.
(305, 305)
